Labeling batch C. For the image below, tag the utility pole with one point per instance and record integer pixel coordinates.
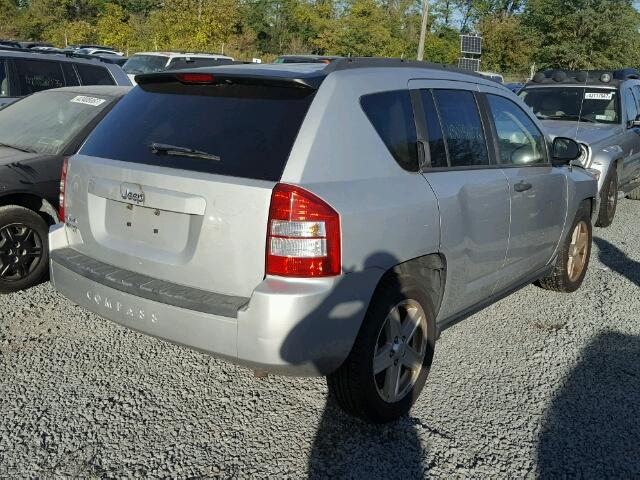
(423, 30)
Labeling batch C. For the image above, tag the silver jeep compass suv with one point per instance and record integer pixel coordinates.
(319, 219)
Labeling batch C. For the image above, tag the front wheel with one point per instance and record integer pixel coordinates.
(390, 360)
(23, 248)
(572, 262)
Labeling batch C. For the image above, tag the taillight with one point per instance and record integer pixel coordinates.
(303, 235)
(63, 186)
(200, 78)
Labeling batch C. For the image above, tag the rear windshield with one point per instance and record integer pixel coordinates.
(145, 64)
(237, 130)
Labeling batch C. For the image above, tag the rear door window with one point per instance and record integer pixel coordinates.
(462, 128)
(37, 75)
(4, 79)
(437, 149)
(244, 130)
(94, 75)
(391, 114)
(70, 76)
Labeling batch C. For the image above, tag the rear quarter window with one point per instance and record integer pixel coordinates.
(250, 128)
(391, 114)
(94, 75)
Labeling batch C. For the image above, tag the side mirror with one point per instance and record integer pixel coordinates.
(564, 150)
(634, 123)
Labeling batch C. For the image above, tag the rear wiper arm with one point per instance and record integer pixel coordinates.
(166, 149)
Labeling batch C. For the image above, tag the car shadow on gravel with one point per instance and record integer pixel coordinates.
(345, 447)
(592, 427)
(618, 261)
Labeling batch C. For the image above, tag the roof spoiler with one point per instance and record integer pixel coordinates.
(218, 76)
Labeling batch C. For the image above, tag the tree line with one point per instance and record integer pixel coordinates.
(517, 33)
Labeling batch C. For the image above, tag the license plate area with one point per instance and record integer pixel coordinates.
(152, 227)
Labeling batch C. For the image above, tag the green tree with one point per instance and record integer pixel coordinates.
(508, 47)
(584, 33)
(365, 31)
(113, 27)
(9, 12)
(194, 24)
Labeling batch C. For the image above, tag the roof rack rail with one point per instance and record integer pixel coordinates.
(116, 59)
(349, 63)
(560, 75)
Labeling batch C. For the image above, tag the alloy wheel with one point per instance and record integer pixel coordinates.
(20, 252)
(400, 351)
(578, 249)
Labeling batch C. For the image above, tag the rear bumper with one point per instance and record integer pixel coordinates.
(302, 327)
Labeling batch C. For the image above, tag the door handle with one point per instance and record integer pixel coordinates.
(522, 186)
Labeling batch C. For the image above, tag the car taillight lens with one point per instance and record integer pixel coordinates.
(303, 235)
(200, 78)
(63, 186)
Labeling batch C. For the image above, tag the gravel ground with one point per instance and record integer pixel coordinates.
(540, 384)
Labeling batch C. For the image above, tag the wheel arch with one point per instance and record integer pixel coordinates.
(33, 202)
(429, 271)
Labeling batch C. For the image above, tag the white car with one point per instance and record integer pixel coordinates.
(153, 62)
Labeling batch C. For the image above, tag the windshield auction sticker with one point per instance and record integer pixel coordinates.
(598, 96)
(93, 101)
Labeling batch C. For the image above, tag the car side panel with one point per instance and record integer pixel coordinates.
(39, 177)
(474, 211)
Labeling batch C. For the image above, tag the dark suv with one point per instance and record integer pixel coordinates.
(23, 73)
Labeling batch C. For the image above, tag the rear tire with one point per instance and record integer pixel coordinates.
(384, 345)
(572, 262)
(24, 253)
(609, 199)
(634, 194)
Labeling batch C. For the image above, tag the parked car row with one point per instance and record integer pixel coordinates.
(317, 218)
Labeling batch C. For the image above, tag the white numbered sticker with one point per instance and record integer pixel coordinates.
(93, 101)
(598, 96)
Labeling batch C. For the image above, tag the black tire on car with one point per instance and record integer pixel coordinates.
(609, 199)
(23, 248)
(572, 261)
(634, 194)
(397, 339)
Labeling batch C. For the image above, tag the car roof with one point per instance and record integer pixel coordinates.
(312, 74)
(182, 54)
(58, 56)
(310, 56)
(107, 90)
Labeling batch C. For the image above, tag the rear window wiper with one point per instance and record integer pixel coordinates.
(163, 148)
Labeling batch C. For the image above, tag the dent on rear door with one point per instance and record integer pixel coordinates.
(474, 209)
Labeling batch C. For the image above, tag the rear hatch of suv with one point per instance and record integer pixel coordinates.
(175, 183)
